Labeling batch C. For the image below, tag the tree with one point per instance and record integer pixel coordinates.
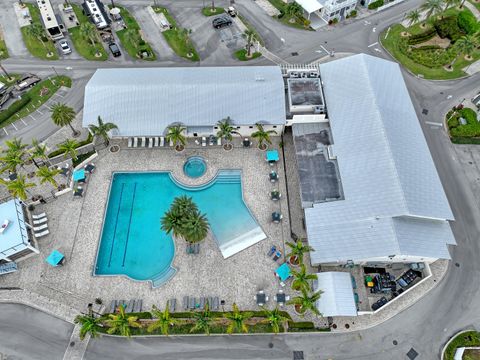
(63, 115)
(38, 151)
(186, 35)
(262, 136)
(301, 280)
(432, 7)
(466, 44)
(413, 17)
(293, 9)
(297, 250)
(184, 205)
(250, 36)
(18, 187)
(48, 175)
(163, 320)
(237, 320)
(175, 135)
(213, 5)
(132, 36)
(36, 31)
(89, 32)
(203, 320)
(306, 302)
(274, 318)
(121, 323)
(88, 325)
(102, 129)
(226, 131)
(10, 160)
(171, 222)
(69, 147)
(15, 145)
(195, 227)
(451, 3)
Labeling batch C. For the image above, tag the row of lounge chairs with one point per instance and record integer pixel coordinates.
(193, 249)
(8, 268)
(191, 303)
(150, 142)
(40, 225)
(132, 306)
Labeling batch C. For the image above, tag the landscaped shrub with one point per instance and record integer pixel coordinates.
(448, 28)
(470, 338)
(470, 129)
(375, 4)
(431, 56)
(422, 37)
(353, 13)
(304, 326)
(14, 108)
(467, 22)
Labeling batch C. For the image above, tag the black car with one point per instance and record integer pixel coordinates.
(114, 49)
(221, 22)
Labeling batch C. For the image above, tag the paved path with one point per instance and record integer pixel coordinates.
(473, 9)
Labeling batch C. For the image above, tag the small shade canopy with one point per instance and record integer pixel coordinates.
(283, 272)
(272, 155)
(55, 258)
(79, 175)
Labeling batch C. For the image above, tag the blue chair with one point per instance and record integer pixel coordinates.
(272, 251)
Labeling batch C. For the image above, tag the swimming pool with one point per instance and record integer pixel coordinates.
(132, 242)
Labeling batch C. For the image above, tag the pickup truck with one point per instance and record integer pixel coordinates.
(26, 81)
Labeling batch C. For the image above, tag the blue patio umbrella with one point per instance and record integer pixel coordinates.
(272, 155)
(79, 175)
(55, 258)
(283, 272)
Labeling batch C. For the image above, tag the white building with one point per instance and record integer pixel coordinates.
(50, 21)
(328, 9)
(95, 10)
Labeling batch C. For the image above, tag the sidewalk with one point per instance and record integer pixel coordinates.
(473, 9)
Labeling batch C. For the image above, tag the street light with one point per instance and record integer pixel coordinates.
(5, 71)
(55, 71)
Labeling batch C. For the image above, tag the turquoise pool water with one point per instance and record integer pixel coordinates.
(132, 242)
(195, 167)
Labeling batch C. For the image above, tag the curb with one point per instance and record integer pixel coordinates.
(442, 355)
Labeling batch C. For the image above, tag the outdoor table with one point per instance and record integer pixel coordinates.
(276, 217)
(89, 168)
(261, 298)
(281, 299)
(63, 171)
(246, 143)
(56, 258)
(12, 176)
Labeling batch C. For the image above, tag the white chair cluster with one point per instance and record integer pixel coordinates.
(40, 226)
(146, 142)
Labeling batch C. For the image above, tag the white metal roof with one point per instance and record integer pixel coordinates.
(145, 101)
(14, 238)
(384, 162)
(337, 298)
(310, 5)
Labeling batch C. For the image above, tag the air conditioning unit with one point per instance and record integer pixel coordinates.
(293, 74)
(304, 74)
(313, 74)
(317, 110)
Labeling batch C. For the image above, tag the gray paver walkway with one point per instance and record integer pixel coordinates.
(473, 9)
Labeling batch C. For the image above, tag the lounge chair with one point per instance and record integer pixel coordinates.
(172, 304)
(277, 256)
(204, 141)
(189, 249)
(122, 303)
(113, 306)
(135, 142)
(38, 216)
(41, 234)
(210, 302)
(202, 303)
(191, 303)
(196, 248)
(171, 143)
(40, 221)
(155, 141)
(138, 306)
(219, 141)
(216, 303)
(150, 142)
(185, 302)
(41, 227)
(130, 142)
(272, 251)
(8, 268)
(162, 141)
(129, 307)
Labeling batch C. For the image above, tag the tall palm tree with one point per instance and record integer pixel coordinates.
(89, 325)
(451, 3)
(250, 36)
(203, 320)
(102, 129)
(466, 44)
(36, 31)
(237, 320)
(19, 187)
(306, 302)
(297, 250)
(89, 32)
(184, 205)
(48, 175)
(63, 115)
(262, 136)
(432, 7)
(293, 9)
(121, 323)
(195, 227)
(175, 135)
(301, 280)
(226, 131)
(274, 318)
(15, 145)
(10, 160)
(172, 222)
(413, 17)
(69, 147)
(39, 151)
(163, 320)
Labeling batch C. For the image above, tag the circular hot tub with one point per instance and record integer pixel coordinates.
(195, 167)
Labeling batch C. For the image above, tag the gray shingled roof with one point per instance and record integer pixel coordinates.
(144, 101)
(385, 167)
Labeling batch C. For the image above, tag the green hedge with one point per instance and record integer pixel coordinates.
(304, 326)
(470, 338)
(14, 108)
(467, 22)
(448, 28)
(470, 129)
(422, 37)
(375, 4)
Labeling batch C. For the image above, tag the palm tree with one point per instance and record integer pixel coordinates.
(163, 320)
(432, 7)
(250, 36)
(48, 175)
(69, 147)
(132, 36)
(175, 135)
(237, 320)
(213, 5)
(226, 131)
(36, 31)
(10, 160)
(297, 250)
(301, 280)
(306, 302)
(38, 151)
(121, 323)
(202, 320)
(195, 227)
(293, 9)
(172, 222)
(89, 325)
(262, 136)
(451, 3)
(466, 44)
(89, 32)
(18, 187)
(102, 129)
(15, 145)
(63, 115)
(413, 17)
(184, 205)
(274, 318)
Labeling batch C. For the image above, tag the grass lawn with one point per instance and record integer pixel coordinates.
(3, 49)
(6, 81)
(132, 48)
(37, 99)
(242, 55)
(207, 11)
(176, 39)
(250, 27)
(84, 47)
(289, 20)
(34, 45)
(467, 339)
(394, 43)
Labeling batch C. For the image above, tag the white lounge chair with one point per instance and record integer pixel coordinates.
(171, 143)
(162, 141)
(130, 142)
(41, 227)
(219, 141)
(38, 216)
(135, 142)
(204, 141)
(150, 142)
(43, 233)
(41, 221)
(155, 141)
(143, 141)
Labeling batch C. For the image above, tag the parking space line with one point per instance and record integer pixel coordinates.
(40, 112)
(32, 117)
(6, 133)
(433, 123)
(23, 121)
(56, 94)
(13, 124)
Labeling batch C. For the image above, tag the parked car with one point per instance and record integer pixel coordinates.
(231, 11)
(65, 47)
(221, 22)
(26, 81)
(114, 49)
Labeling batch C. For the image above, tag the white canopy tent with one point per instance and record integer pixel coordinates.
(337, 298)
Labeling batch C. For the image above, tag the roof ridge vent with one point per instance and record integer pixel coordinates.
(259, 78)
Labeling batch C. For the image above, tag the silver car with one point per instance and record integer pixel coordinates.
(65, 47)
